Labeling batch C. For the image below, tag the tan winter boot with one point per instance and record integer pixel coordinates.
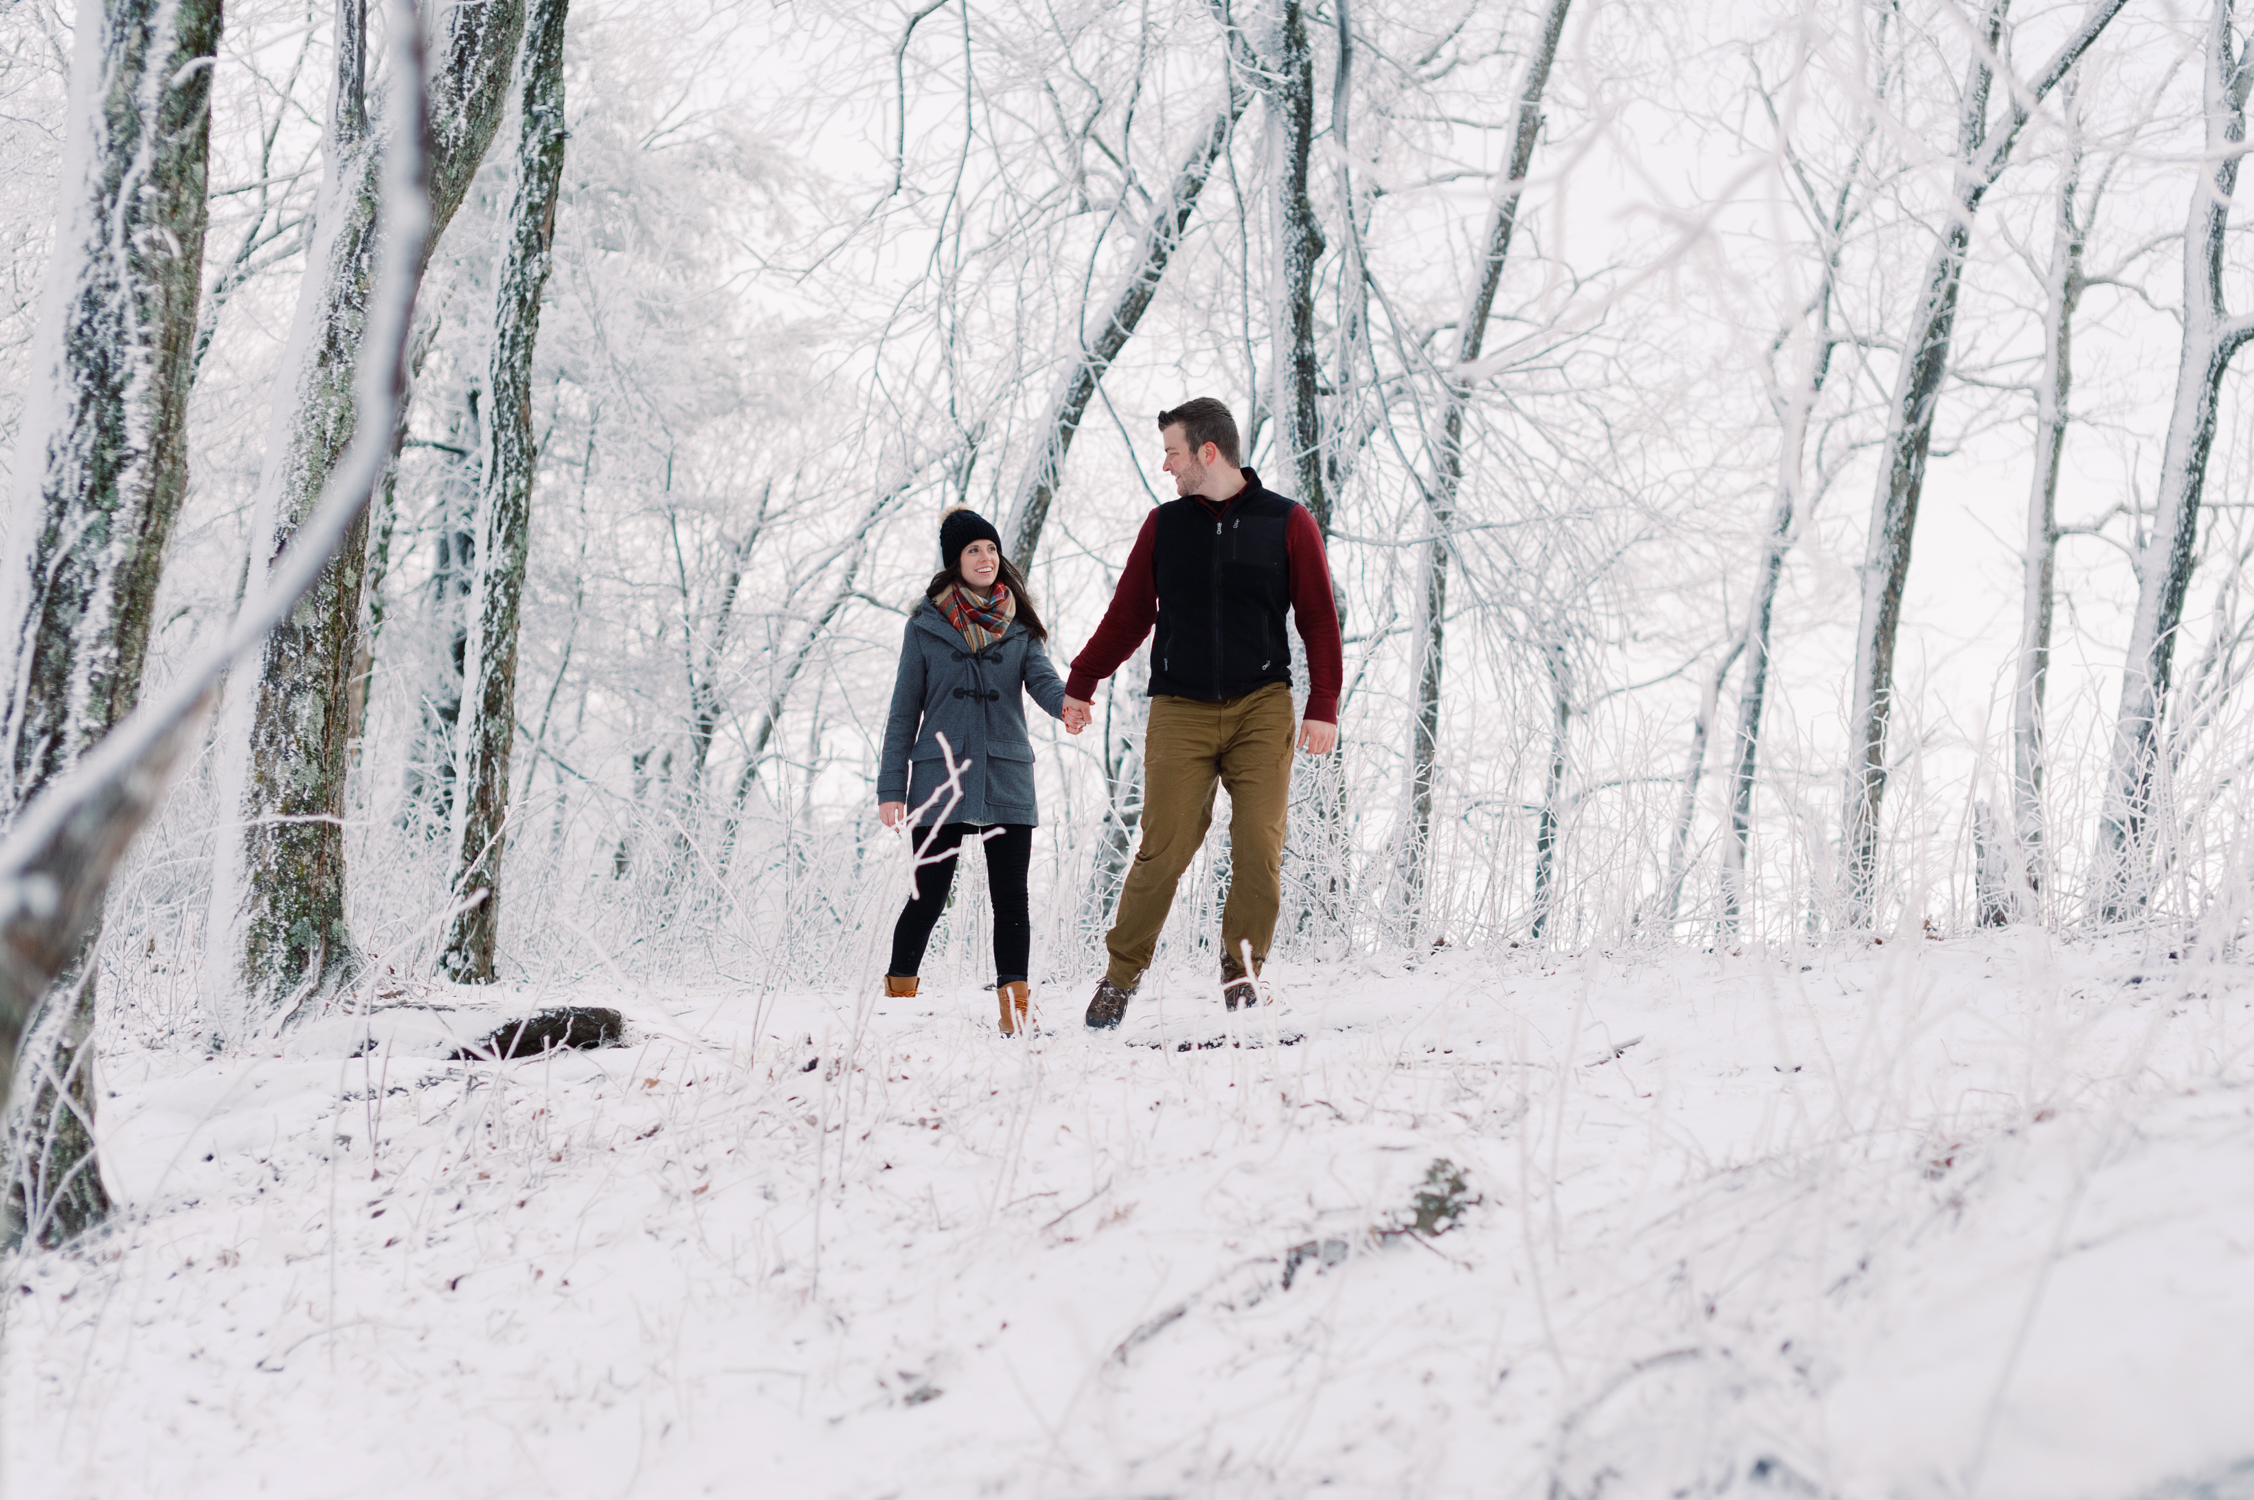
(1016, 999)
(899, 987)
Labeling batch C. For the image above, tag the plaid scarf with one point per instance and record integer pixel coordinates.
(981, 623)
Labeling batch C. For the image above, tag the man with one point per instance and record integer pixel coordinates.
(1215, 570)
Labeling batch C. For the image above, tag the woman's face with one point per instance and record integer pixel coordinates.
(981, 563)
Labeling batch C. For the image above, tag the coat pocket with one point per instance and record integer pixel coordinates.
(1009, 783)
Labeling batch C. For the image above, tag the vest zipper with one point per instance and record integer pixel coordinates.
(1218, 673)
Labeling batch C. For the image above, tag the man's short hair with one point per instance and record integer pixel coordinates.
(1204, 420)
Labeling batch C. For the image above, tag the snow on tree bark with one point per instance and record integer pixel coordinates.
(1448, 460)
(1670, 901)
(1299, 245)
(1162, 236)
(106, 465)
(1979, 162)
(1124, 733)
(1551, 817)
(706, 705)
(1317, 849)
(482, 744)
(278, 932)
(1795, 408)
(427, 800)
(65, 840)
(2062, 287)
(55, 867)
(2211, 337)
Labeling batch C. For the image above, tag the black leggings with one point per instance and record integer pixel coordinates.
(1009, 852)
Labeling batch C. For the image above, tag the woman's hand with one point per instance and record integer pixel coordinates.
(892, 814)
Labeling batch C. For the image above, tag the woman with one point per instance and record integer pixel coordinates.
(974, 646)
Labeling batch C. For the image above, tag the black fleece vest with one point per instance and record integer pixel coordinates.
(1224, 586)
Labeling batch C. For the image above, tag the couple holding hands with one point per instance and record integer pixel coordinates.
(1215, 571)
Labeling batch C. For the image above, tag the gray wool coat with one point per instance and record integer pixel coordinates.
(977, 701)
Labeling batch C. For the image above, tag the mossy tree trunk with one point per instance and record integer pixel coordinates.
(105, 465)
(486, 732)
(278, 934)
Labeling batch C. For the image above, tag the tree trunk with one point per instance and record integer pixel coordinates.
(385, 523)
(55, 869)
(705, 703)
(102, 467)
(1993, 881)
(1795, 412)
(1553, 792)
(1299, 244)
(778, 696)
(1353, 418)
(1161, 237)
(1795, 408)
(278, 934)
(1980, 160)
(2062, 285)
(482, 745)
(1123, 808)
(64, 842)
(1320, 836)
(1448, 462)
(1753, 697)
(1702, 728)
(427, 800)
(2164, 561)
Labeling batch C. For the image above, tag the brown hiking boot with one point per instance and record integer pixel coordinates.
(899, 986)
(1109, 1007)
(1240, 994)
(1017, 1007)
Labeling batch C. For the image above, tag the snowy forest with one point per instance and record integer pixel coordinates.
(1761, 994)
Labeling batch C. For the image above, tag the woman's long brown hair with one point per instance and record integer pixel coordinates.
(1011, 579)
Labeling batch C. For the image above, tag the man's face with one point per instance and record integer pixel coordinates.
(1181, 462)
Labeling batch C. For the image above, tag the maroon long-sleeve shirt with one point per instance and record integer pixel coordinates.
(1134, 610)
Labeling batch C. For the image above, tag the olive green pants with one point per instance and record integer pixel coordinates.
(1243, 744)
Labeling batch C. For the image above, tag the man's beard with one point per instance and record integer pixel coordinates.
(1188, 477)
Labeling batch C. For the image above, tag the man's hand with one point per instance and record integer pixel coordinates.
(1317, 737)
(892, 814)
(1076, 715)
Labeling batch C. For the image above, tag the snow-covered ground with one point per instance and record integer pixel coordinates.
(1926, 1218)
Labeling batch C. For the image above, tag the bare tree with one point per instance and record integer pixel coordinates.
(428, 801)
(1299, 245)
(275, 229)
(1979, 161)
(1445, 448)
(481, 749)
(2023, 878)
(1123, 805)
(1686, 811)
(65, 841)
(854, 553)
(2164, 562)
(1808, 342)
(705, 669)
(278, 933)
(104, 467)
(1161, 238)
(1551, 813)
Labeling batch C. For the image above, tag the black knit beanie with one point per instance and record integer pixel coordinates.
(958, 529)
